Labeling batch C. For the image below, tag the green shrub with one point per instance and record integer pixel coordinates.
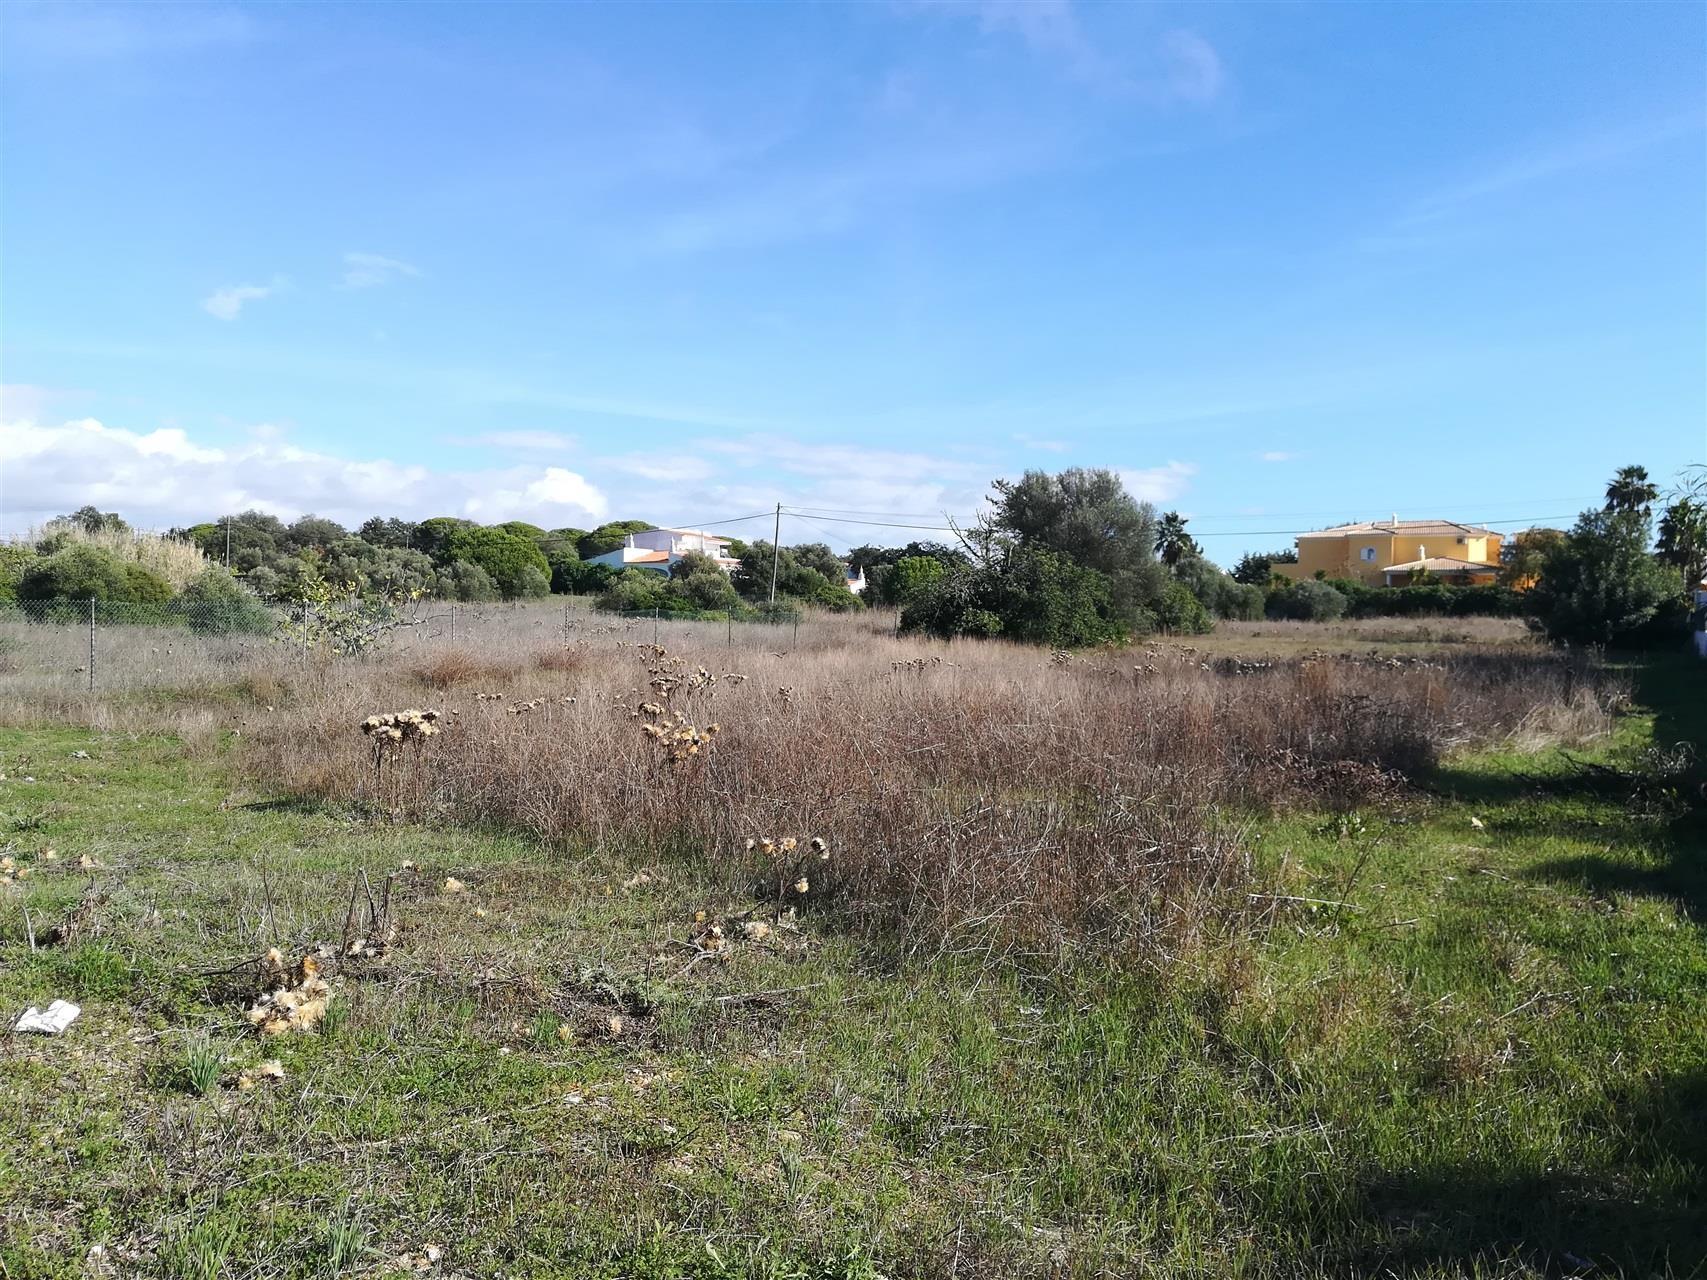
(533, 582)
(214, 604)
(1601, 586)
(635, 589)
(1034, 596)
(571, 575)
(506, 558)
(83, 572)
(1307, 601)
(1221, 595)
(461, 580)
(16, 558)
(1181, 612)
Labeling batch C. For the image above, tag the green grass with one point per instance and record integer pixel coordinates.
(1492, 1060)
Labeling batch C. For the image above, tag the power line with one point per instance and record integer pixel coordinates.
(712, 524)
(1221, 533)
(845, 511)
(1198, 517)
(883, 524)
(1263, 533)
(810, 525)
(835, 513)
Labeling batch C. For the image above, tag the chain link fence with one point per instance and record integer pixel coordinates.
(104, 647)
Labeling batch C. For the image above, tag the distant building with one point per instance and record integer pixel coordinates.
(656, 550)
(1393, 552)
(856, 580)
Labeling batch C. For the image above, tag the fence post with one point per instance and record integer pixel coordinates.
(453, 623)
(729, 632)
(91, 644)
(796, 641)
(654, 626)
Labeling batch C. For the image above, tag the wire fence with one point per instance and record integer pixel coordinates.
(103, 646)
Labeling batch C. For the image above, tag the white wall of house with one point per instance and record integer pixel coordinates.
(678, 542)
(656, 550)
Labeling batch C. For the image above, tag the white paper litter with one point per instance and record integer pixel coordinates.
(60, 1015)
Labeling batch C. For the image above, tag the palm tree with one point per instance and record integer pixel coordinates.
(1173, 543)
(1683, 539)
(1631, 490)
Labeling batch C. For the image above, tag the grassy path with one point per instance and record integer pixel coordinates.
(1492, 1060)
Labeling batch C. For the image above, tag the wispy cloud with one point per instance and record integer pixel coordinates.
(1181, 67)
(1037, 442)
(1276, 455)
(1158, 484)
(25, 400)
(833, 197)
(1193, 73)
(1048, 26)
(520, 441)
(227, 304)
(88, 32)
(1437, 219)
(367, 270)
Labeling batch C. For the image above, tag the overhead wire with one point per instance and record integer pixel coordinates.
(1217, 533)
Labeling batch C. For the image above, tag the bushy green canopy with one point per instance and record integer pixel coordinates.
(84, 572)
(506, 557)
(1601, 586)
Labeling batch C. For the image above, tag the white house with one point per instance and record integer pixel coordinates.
(657, 549)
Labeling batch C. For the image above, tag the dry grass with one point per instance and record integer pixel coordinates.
(1383, 635)
(174, 559)
(980, 795)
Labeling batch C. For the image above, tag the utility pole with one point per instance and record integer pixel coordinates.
(776, 550)
(228, 543)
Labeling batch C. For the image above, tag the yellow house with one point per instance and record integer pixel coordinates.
(1394, 552)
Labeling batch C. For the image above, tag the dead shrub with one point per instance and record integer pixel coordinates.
(1001, 801)
(449, 668)
(566, 659)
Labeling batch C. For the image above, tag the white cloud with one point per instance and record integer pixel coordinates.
(1181, 67)
(1158, 484)
(1048, 26)
(25, 400)
(367, 270)
(665, 467)
(1194, 71)
(65, 32)
(557, 491)
(1037, 442)
(522, 441)
(163, 477)
(1277, 455)
(227, 304)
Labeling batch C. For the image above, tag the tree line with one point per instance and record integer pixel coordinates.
(1073, 560)
(1068, 559)
(254, 556)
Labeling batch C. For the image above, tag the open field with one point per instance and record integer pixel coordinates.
(1137, 963)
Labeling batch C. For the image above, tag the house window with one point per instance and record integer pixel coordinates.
(1368, 554)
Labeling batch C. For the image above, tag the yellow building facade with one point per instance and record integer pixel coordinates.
(1395, 552)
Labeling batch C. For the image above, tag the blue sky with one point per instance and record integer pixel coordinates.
(1280, 265)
